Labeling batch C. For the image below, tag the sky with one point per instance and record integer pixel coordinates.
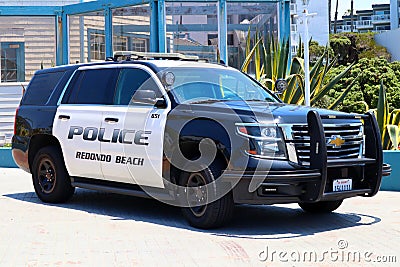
(344, 5)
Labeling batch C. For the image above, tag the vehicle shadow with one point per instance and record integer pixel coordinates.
(252, 222)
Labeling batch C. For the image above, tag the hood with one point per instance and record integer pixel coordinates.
(263, 111)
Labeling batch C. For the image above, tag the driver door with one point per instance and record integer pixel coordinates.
(139, 126)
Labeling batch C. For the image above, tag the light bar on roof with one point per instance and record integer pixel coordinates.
(145, 55)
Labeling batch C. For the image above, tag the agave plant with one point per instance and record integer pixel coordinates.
(271, 61)
(389, 122)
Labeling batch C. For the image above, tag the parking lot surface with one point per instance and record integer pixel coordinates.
(102, 229)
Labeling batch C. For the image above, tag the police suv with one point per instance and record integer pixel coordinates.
(200, 136)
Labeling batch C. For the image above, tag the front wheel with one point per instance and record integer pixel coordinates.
(321, 207)
(200, 213)
(50, 177)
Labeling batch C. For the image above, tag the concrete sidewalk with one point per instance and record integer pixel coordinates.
(102, 229)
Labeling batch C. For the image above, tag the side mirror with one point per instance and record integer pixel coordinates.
(280, 86)
(149, 97)
(160, 103)
(144, 97)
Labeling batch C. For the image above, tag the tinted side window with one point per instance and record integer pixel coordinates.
(41, 87)
(129, 81)
(93, 87)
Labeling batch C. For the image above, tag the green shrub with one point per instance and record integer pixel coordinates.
(352, 47)
(365, 91)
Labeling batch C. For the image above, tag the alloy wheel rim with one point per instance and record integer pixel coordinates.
(197, 194)
(47, 175)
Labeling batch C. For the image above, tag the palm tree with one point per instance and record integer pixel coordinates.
(336, 16)
(352, 15)
(329, 14)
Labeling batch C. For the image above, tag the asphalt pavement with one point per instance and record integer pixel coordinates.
(103, 229)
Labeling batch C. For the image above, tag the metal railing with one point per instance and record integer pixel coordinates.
(380, 18)
(293, 9)
(364, 24)
(344, 28)
(10, 96)
(293, 28)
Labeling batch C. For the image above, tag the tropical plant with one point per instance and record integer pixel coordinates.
(270, 58)
(336, 16)
(388, 122)
(271, 62)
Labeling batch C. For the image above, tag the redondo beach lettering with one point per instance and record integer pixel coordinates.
(108, 158)
(93, 156)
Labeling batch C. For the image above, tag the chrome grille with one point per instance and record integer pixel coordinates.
(352, 134)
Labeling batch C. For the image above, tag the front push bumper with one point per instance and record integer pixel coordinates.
(279, 187)
(315, 183)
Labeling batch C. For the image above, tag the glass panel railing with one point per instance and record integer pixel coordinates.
(192, 29)
(87, 37)
(131, 28)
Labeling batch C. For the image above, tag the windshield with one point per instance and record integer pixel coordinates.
(195, 85)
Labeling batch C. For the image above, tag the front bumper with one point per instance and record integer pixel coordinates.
(280, 187)
(316, 182)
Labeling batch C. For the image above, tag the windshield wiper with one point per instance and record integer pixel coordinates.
(256, 100)
(260, 100)
(205, 101)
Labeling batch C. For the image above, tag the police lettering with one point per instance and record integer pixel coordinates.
(118, 136)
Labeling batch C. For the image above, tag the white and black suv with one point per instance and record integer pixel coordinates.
(197, 135)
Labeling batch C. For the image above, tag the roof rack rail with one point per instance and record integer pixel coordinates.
(129, 55)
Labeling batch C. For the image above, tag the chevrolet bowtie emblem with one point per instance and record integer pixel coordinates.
(336, 141)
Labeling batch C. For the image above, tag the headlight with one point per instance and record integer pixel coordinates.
(265, 140)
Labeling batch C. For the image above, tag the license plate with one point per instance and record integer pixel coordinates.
(342, 185)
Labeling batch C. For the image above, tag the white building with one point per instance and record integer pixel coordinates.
(318, 26)
(377, 19)
(394, 14)
(391, 39)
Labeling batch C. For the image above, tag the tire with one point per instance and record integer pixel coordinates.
(321, 207)
(50, 177)
(211, 215)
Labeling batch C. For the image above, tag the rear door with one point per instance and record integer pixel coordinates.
(77, 123)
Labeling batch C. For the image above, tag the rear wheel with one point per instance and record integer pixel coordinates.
(321, 207)
(199, 212)
(50, 177)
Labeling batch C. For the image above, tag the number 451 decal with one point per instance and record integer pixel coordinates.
(155, 116)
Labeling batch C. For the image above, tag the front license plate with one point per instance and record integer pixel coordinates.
(342, 185)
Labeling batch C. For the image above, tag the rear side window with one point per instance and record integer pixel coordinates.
(92, 87)
(41, 87)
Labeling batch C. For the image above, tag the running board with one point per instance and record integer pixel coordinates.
(121, 188)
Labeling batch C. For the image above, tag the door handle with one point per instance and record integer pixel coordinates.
(64, 117)
(111, 120)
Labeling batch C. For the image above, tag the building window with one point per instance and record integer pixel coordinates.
(133, 42)
(97, 44)
(213, 39)
(212, 19)
(139, 45)
(12, 62)
(383, 28)
(120, 43)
